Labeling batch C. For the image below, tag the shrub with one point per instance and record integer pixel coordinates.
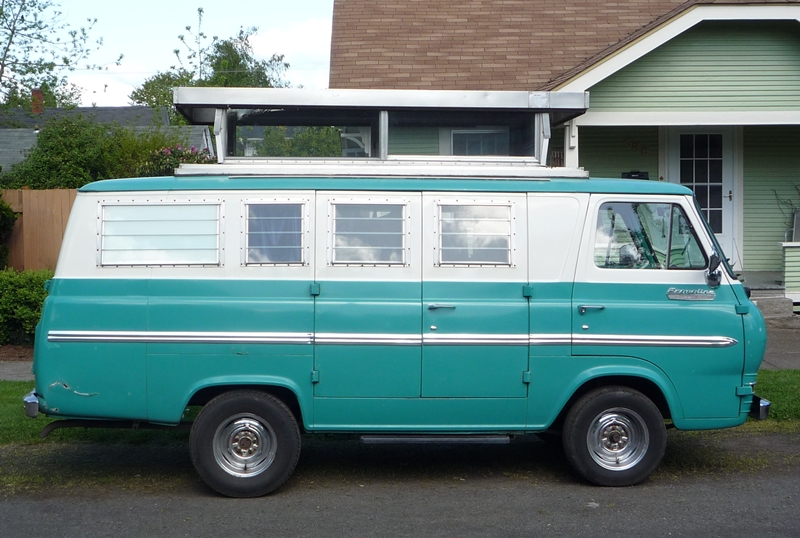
(7, 220)
(22, 295)
(73, 150)
(164, 161)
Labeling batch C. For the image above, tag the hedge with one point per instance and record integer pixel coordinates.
(21, 297)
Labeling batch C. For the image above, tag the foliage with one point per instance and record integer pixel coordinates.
(164, 161)
(37, 46)
(213, 62)
(7, 220)
(227, 62)
(156, 92)
(306, 142)
(22, 295)
(196, 52)
(65, 96)
(232, 64)
(73, 150)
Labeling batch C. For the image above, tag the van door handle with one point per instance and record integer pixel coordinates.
(584, 307)
(436, 306)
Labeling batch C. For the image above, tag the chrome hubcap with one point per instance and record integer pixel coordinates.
(244, 445)
(617, 439)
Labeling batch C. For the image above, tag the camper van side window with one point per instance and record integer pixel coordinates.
(371, 234)
(163, 234)
(274, 233)
(475, 234)
(646, 236)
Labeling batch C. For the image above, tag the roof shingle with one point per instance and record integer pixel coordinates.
(486, 44)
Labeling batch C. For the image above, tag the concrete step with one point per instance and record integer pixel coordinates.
(774, 307)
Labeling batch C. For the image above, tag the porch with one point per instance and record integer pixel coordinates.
(769, 292)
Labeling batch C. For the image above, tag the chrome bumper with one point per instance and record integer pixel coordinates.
(31, 403)
(759, 409)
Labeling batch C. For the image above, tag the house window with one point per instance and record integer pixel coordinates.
(475, 234)
(480, 142)
(646, 236)
(274, 233)
(371, 234)
(701, 171)
(164, 234)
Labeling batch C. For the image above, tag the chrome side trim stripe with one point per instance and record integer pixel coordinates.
(165, 337)
(651, 340)
(475, 339)
(369, 339)
(550, 339)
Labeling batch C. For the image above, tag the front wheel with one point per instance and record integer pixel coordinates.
(245, 443)
(614, 436)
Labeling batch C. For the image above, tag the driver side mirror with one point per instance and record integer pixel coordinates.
(713, 275)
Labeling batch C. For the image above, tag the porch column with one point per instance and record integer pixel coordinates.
(571, 145)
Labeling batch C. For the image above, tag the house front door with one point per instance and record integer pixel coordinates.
(702, 159)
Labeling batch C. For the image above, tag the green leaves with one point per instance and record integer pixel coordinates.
(212, 62)
(73, 150)
(22, 295)
(32, 51)
(164, 161)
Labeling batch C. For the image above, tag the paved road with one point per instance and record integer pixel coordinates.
(750, 506)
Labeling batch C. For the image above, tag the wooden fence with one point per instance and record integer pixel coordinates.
(36, 239)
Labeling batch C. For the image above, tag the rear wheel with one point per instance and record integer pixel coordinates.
(245, 443)
(614, 436)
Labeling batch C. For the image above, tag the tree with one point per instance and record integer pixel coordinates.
(218, 63)
(156, 92)
(37, 47)
(231, 64)
(65, 96)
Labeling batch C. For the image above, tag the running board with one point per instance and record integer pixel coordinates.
(436, 439)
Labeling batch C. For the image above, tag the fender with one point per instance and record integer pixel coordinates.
(549, 396)
(170, 407)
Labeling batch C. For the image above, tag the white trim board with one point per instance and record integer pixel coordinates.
(671, 29)
(688, 118)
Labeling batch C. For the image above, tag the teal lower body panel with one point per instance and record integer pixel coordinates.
(474, 372)
(368, 371)
(421, 415)
(709, 423)
(172, 378)
(92, 380)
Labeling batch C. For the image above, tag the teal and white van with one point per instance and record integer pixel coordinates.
(401, 301)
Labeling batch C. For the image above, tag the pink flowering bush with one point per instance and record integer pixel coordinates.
(164, 161)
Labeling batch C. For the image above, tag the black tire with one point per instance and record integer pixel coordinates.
(614, 436)
(245, 443)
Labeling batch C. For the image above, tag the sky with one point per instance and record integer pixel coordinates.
(146, 32)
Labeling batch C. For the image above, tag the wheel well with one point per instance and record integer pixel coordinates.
(203, 396)
(645, 386)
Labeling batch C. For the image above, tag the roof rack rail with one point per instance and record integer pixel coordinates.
(412, 167)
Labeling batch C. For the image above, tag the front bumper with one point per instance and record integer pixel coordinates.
(759, 409)
(31, 403)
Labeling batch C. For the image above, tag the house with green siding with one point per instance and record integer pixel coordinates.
(702, 93)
